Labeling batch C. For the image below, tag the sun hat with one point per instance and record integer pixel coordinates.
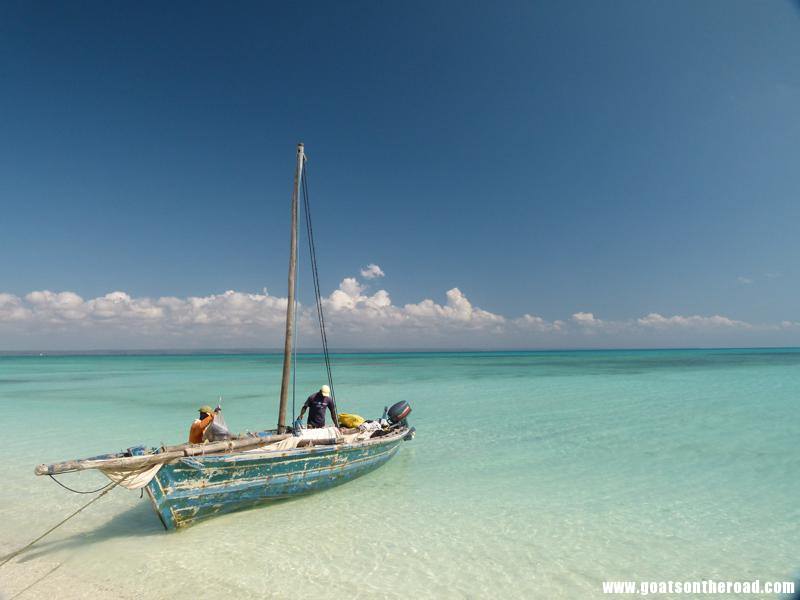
(325, 390)
(206, 409)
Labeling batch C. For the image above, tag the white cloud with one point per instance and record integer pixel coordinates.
(11, 309)
(457, 309)
(372, 271)
(57, 307)
(588, 324)
(350, 308)
(534, 323)
(351, 312)
(658, 321)
(121, 305)
(357, 317)
(586, 319)
(231, 314)
(744, 280)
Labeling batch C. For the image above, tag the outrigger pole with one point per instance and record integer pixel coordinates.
(290, 302)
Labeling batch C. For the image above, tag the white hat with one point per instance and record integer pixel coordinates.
(325, 390)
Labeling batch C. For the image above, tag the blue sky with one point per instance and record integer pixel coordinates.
(551, 159)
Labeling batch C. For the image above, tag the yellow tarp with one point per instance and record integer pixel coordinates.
(350, 421)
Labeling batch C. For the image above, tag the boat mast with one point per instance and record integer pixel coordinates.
(290, 302)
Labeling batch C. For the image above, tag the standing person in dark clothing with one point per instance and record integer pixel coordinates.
(316, 405)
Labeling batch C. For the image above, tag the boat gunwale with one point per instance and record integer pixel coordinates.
(259, 453)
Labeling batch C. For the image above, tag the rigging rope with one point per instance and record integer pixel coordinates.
(66, 487)
(317, 294)
(294, 350)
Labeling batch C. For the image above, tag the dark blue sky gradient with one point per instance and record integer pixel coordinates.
(617, 157)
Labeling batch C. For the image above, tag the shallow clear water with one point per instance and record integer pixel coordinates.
(533, 475)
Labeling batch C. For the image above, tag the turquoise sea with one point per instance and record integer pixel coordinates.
(533, 475)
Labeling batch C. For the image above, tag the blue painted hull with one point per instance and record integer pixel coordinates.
(192, 489)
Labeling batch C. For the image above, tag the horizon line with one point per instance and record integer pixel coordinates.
(307, 352)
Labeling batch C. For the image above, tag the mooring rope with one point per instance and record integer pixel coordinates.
(42, 578)
(104, 491)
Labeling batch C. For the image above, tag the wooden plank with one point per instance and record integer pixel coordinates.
(137, 462)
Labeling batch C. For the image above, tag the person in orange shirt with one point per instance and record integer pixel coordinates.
(199, 426)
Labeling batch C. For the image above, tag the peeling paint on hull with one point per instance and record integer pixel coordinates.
(190, 490)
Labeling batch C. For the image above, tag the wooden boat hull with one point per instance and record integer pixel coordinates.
(196, 488)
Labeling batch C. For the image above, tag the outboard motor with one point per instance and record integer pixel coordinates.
(399, 411)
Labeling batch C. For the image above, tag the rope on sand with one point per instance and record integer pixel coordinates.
(42, 578)
(16, 553)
